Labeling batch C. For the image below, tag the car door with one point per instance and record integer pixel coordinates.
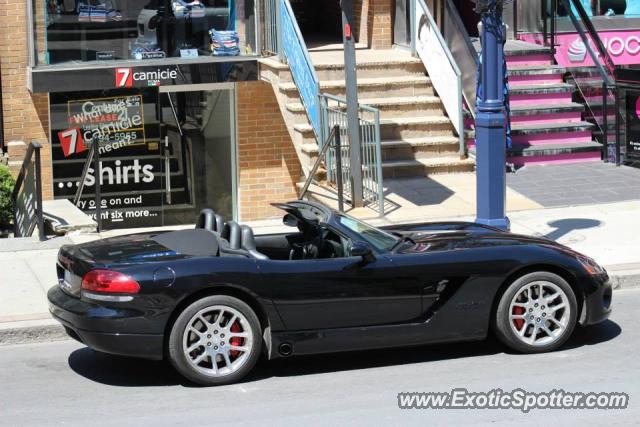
(340, 292)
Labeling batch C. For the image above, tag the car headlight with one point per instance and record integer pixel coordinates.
(592, 267)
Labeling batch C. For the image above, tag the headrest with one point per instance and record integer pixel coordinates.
(219, 223)
(232, 232)
(248, 239)
(206, 220)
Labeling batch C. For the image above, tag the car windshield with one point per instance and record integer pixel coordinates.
(379, 239)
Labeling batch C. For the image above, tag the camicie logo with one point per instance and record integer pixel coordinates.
(71, 141)
(125, 77)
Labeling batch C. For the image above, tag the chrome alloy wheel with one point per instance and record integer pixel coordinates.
(539, 313)
(217, 340)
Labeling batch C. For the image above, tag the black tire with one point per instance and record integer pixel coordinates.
(502, 323)
(178, 358)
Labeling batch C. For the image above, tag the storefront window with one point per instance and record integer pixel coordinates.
(629, 8)
(164, 155)
(105, 30)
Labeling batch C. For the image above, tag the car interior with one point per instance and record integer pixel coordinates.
(310, 240)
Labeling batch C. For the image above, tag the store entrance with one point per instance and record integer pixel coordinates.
(197, 137)
(320, 22)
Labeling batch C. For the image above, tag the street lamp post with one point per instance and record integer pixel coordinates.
(490, 119)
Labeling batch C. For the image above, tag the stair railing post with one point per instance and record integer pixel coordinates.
(353, 116)
(279, 30)
(98, 185)
(38, 189)
(605, 123)
(338, 150)
(618, 136)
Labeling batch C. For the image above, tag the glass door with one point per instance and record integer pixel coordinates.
(197, 130)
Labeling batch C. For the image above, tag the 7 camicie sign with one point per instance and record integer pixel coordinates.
(126, 77)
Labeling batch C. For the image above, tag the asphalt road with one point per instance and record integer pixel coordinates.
(64, 383)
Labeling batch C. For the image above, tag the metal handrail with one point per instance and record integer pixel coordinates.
(34, 147)
(452, 62)
(334, 136)
(93, 156)
(370, 145)
(83, 177)
(608, 72)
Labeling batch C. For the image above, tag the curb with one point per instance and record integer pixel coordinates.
(47, 330)
(624, 276)
(31, 331)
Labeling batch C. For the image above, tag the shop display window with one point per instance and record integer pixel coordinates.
(68, 31)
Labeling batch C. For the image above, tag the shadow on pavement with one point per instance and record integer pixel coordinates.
(123, 371)
(566, 226)
(131, 372)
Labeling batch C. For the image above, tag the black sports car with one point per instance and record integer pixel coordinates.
(212, 299)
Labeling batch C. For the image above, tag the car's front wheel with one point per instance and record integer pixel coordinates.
(215, 340)
(536, 313)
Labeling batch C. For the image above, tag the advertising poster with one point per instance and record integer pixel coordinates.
(130, 163)
(633, 126)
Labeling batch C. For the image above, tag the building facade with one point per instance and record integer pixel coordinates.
(171, 93)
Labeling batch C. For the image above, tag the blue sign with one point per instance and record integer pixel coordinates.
(301, 68)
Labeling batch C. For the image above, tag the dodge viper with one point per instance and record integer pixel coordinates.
(213, 299)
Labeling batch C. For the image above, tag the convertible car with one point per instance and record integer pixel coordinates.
(212, 299)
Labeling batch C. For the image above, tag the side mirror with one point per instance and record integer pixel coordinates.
(363, 250)
(290, 220)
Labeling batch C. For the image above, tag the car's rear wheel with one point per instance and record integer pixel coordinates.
(536, 313)
(216, 340)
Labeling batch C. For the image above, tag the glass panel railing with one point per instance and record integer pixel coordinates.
(79, 31)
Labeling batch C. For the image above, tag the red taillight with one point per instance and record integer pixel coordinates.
(108, 281)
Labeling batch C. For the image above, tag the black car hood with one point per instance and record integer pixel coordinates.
(458, 235)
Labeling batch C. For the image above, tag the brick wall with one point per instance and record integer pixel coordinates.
(25, 114)
(379, 26)
(269, 167)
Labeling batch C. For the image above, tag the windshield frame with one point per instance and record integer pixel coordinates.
(391, 240)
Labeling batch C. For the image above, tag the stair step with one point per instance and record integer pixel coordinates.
(549, 149)
(535, 109)
(424, 167)
(382, 82)
(392, 122)
(541, 88)
(380, 103)
(535, 70)
(518, 129)
(531, 129)
(540, 109)
(555, 149)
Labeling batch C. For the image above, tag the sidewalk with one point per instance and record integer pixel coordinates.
(606, 232)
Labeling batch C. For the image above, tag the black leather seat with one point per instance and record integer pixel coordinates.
(249, 243)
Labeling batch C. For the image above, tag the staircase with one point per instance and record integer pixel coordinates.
(417, 138)
(547, 126)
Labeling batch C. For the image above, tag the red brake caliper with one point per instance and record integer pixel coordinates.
(518, 322)
(235, 341)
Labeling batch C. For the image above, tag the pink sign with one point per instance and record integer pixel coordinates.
(623, 47)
